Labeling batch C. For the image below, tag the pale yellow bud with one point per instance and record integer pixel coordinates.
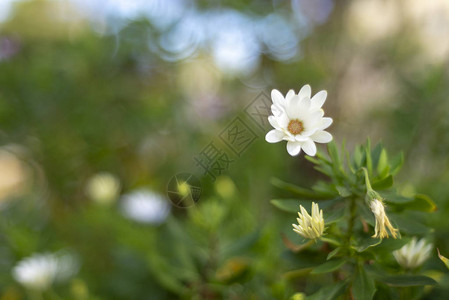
(310, 227)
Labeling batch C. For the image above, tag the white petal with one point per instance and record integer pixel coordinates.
(276, 109)
(326, 122)
(293, 148)
(294, 107)
(283, 120)
(305, 91)
(289, 95)
(322, 137)
(273, 122)
(309, 147)
(319, 99)
(277, 97)
(301, 138)
(274, 136)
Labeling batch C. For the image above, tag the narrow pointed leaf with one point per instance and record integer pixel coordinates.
(408, 280)
(299, 191)
(445, 260)
(329, 266)
(363, 287)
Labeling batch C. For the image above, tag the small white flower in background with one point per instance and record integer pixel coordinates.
(413, 254)
(310, 227)
(103, 188)
(40, 271)
(298, 119)
(382, 221)
(145, 206)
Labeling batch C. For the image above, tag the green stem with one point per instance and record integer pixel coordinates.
(367, 181)
(351, 221)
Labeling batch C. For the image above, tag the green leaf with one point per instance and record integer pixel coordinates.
(299, 191)
(333, 253)
(335, 215)
(238, 246)
(382, 165)
(443, 259)
(357, 157)
(396, 163)
(336, 162)
(409, 224)
(329, 292)
(343, 191)
(408, 280)
(363, 287)
(419, 202)
(297, 273)
(292, 205)
(368, 243)
(369, 162)
(329, 266)
(422, 203)
(383, 184)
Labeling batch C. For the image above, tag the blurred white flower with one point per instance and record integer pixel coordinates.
(310, 227)
(145, 206)
(382, 221)
(40, 271)
(298, 119)
(413, 254)
(103, 188)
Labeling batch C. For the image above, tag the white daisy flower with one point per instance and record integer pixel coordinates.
(40, 271)
(103, 188)
(413, 254)
(145, 206)
(310, 227)
(298, 119)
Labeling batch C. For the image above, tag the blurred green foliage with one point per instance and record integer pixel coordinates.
(74, 102)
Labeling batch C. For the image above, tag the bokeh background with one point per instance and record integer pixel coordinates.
(138, 88)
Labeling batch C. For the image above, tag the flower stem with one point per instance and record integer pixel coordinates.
(351, 221)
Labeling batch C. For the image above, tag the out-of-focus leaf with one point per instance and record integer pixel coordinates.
(329, 292)
(292, 246)
(333, 215)
(357, 158)
(422, 203)
(408, 224)
(408, 280)
(382, 165)
(297, 273)
(397, 163)
(333, 253)
(241, 244)
(363, 287)
(329, 266)
(343, 191)
(335, 157)
(368, 243)
(368, 158)
(292, 205)
(419, 202)
(445, 260)
(166, 277)
(234, 269)
(299, 191)
(383, 184)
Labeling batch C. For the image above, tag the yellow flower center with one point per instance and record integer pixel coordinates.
(295, 127)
